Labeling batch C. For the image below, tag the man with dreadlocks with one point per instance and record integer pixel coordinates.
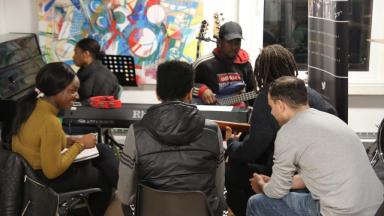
(255, 152)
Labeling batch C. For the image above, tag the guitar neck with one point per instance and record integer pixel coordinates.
(198, 49)
(237, 98)
(201, 36)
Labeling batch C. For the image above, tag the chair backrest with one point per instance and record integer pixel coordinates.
(21, 192)
(380, 211)
(380, 141)
(152, 202)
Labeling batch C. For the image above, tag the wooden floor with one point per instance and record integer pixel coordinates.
(114, 209)
(230, 213)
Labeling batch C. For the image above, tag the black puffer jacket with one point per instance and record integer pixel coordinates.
(178, 150)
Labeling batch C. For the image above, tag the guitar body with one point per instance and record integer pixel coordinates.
(198, 101)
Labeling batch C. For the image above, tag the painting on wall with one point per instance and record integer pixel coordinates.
(151, 31)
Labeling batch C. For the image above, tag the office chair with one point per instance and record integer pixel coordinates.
(153, 202)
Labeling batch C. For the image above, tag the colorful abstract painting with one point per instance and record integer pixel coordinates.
(152, 31)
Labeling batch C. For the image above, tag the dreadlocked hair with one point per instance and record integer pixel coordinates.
(273, 62)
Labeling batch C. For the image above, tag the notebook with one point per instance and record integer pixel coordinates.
(85, 154)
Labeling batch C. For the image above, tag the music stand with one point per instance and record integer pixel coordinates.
(123, 67)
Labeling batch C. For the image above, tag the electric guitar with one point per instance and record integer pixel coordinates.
(229, 100)
(201, 36)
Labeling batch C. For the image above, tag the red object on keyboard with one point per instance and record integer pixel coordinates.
(104, 102)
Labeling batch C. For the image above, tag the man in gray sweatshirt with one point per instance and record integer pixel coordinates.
(317, 151)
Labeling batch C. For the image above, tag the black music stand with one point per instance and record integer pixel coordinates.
(123, 67)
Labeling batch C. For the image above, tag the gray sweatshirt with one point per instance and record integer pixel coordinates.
(332, 162)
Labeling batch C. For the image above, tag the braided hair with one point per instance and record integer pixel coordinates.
(273, 62)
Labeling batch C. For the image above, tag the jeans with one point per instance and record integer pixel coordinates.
(293, 203)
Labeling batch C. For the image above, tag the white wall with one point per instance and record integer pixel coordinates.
(18, 15)
(248, 13)
(365, 112)
(366, 103)
(2, 18)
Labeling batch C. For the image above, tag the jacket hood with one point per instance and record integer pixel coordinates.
(242, 56)
(174, 123)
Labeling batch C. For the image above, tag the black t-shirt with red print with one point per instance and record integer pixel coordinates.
(223, 77)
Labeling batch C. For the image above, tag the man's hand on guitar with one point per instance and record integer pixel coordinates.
(208, 97)
(230, 135)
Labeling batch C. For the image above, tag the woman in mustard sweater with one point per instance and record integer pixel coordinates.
(38, 136)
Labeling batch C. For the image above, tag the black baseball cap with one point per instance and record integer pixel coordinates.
(230, 30)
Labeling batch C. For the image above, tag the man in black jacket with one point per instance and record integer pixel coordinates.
(225, 71)
(255, 152)
(173, 147)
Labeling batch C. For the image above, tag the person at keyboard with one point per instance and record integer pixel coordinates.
(95, 78)
(37, 135)
(226, 71)
(255, 151)
(173, 147)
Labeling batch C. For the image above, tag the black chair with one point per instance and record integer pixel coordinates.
(107, 132)
(378, 155)
(22, 193)
(378, 152)
(110, 140)
(380, 211)
(153, 202)
(69, 200)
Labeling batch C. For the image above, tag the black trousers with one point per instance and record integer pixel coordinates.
(239, 190)
(100, 172)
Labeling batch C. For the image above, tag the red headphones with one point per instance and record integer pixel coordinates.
(104, 102)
